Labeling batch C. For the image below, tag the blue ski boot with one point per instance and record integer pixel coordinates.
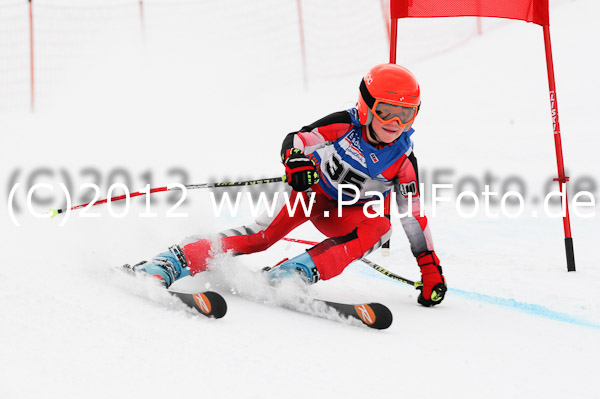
(168, 266)
(301, 266)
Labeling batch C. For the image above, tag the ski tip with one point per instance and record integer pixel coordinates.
(374, 315)
(211, 304)
(53, 212)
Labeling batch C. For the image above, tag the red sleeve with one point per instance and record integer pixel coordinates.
(327, 129)
(323, 134)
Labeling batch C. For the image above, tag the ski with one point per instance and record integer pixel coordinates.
(373, 315)
(207, 303)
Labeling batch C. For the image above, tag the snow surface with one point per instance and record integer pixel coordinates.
(214, 89)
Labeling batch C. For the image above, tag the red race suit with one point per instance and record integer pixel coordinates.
(339, 147)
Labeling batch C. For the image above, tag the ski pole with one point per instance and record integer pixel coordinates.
(391, 275)
(380, 269)
(166, 188)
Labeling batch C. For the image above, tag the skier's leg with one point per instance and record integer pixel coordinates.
(353, 235)
(249, 239)
(168, 266)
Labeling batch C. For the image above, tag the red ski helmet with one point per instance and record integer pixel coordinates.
(389, 92)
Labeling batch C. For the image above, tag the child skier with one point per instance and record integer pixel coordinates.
(368, 147)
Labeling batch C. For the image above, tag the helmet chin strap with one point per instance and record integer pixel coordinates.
(372, 134)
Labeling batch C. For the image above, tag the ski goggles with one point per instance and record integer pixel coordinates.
(387, 112)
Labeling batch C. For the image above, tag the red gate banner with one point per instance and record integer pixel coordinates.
(535, 11)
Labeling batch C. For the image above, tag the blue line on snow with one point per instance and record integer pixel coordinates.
(529, 308)
(536, 310)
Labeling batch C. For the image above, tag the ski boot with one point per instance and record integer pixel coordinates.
(301, 267)
(168, 266)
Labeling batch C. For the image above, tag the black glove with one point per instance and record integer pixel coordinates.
(300, 171)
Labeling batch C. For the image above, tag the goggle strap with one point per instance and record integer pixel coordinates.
(364, 92)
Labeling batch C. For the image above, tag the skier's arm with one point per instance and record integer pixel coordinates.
(415, 226)
(417, 230)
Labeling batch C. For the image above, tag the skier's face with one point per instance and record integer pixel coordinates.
(388, 132)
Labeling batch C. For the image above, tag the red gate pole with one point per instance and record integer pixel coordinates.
(393, 40)
(32, 81)
(562, 179)
(386, 18)
(302, 44)
(142, 23)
